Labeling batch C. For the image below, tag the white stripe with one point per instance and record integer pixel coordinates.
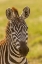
(17, 45)
(1, 59)
(15, 50)
(24, 61)
(14, 53)
(4, 55)
(17, 59)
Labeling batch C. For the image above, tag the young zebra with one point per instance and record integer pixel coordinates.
(13, 49)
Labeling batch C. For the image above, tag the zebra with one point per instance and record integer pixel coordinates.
(14, 49)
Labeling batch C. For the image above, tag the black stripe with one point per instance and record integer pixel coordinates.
(12, 60)
(6, 56)
(26, 33)
(22, 60)
(27, 38)
(26, 62)
(13, 54)
(17, 44)
(13, 50)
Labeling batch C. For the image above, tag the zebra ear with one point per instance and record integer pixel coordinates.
(25, 12)
(9, 13)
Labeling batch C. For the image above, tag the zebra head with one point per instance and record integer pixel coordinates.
(18, 29)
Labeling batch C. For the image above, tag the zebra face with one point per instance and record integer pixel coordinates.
(18, 30)
(19, 35)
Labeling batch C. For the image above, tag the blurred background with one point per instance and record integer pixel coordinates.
(34, 23)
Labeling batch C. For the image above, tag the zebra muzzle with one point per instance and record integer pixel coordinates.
(23, 49)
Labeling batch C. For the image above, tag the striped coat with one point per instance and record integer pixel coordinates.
(13, 49)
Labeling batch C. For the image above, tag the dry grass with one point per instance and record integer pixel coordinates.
(35, 61)
(2, 1)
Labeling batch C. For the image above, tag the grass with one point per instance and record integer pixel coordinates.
(34, 22)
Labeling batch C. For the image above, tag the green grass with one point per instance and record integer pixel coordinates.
(34, 22)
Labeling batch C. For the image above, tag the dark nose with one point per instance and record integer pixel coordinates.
(23, 49)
